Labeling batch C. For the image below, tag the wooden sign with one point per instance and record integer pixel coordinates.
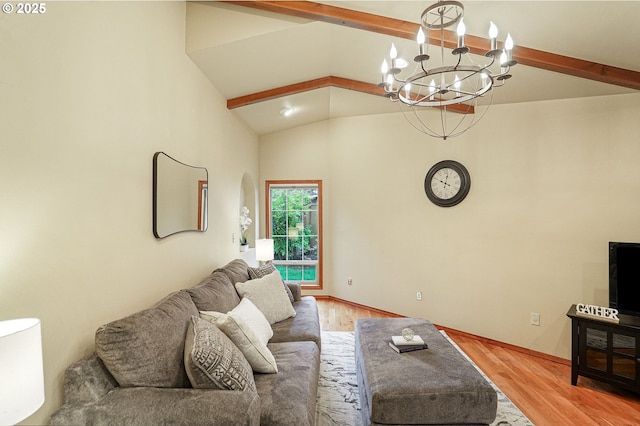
(599, 312)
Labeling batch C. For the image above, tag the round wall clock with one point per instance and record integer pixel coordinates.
(447, 183)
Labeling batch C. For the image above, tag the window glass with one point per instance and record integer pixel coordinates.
(295, 225)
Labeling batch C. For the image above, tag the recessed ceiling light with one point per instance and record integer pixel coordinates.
(287, 111)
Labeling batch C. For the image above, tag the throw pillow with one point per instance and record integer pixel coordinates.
(250, 331)
(269, 296)
(212, 361)
(265, 270)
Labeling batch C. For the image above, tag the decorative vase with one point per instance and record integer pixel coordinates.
(244, 247)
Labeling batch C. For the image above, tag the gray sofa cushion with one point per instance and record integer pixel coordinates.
(147, 348)
(289, 397)
(305, 326)
(212, 361)
(164, 406)
(215, 293)
(237, 270)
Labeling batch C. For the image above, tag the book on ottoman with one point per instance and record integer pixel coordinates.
(400, 344)
(407, 348)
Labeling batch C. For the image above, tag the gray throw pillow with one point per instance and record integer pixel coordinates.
(269, 296)
(212, 361)
(265, 270)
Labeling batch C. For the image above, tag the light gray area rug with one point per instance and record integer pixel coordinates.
(338, 389)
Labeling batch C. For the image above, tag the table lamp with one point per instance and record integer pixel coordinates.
(264, 250)
(21, 372)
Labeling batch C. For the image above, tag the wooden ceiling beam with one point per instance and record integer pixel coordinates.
(319, 83)
(394, 27)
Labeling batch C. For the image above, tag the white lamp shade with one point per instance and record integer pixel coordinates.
(21, 372)
(264, 250)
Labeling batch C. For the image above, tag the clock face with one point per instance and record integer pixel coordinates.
(447, 183)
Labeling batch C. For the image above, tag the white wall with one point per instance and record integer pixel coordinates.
(552, 183)
(89, 91)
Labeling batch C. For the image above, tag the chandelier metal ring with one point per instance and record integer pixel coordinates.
(418, 98)
(447, 13)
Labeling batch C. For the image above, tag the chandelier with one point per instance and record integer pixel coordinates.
(441, 101)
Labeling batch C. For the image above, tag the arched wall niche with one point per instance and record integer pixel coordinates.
(249, 198)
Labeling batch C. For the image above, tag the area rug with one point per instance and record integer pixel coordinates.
(338, 389)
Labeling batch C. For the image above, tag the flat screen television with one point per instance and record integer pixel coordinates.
(624, 277)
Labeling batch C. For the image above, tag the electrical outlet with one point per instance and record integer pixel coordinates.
(419, 295)
(233, 237)
(350, 281)
(535, 318)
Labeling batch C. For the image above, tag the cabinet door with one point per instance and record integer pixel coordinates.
(609, 353)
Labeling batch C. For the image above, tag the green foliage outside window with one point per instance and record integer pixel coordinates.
(294, 229)
(292, 226)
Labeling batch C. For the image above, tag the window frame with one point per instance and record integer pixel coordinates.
(292, 184)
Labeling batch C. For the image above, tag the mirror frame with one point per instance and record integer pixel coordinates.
(203, 206)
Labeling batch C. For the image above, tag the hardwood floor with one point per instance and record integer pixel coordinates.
(540, 387)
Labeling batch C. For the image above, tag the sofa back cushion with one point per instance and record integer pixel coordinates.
(215, 293)
(237, 270)
(147, 348)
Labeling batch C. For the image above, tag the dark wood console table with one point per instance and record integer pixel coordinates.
(606, 351)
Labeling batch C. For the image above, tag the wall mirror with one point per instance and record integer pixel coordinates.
(180, 196)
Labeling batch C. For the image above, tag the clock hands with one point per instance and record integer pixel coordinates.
(444, 182)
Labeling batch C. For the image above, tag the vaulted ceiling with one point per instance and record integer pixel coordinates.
(323, 59)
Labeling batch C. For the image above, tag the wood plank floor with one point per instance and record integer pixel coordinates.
(539, 387)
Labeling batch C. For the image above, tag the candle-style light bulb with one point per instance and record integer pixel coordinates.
(508, 46)
(503, 62)
(456, 84)
(407, 91)
(393, 53)
(493, 35)
(384, 69)
(420, 38)
(432, 89)
(508, 43)
(460, 30)
(389, 82)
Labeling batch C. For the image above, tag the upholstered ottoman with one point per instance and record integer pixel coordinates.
(433, 386)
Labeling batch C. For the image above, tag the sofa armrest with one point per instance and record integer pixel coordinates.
(87, 380)
(169, 406)
(295, 290)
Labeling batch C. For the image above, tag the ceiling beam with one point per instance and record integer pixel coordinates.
(319, 83)
(394, 27)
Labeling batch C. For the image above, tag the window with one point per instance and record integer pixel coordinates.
(294, 210)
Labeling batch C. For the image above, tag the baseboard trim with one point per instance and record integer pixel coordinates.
(449, 330)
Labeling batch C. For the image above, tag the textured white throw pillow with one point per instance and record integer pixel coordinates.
(269, 296)
(250, 331)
